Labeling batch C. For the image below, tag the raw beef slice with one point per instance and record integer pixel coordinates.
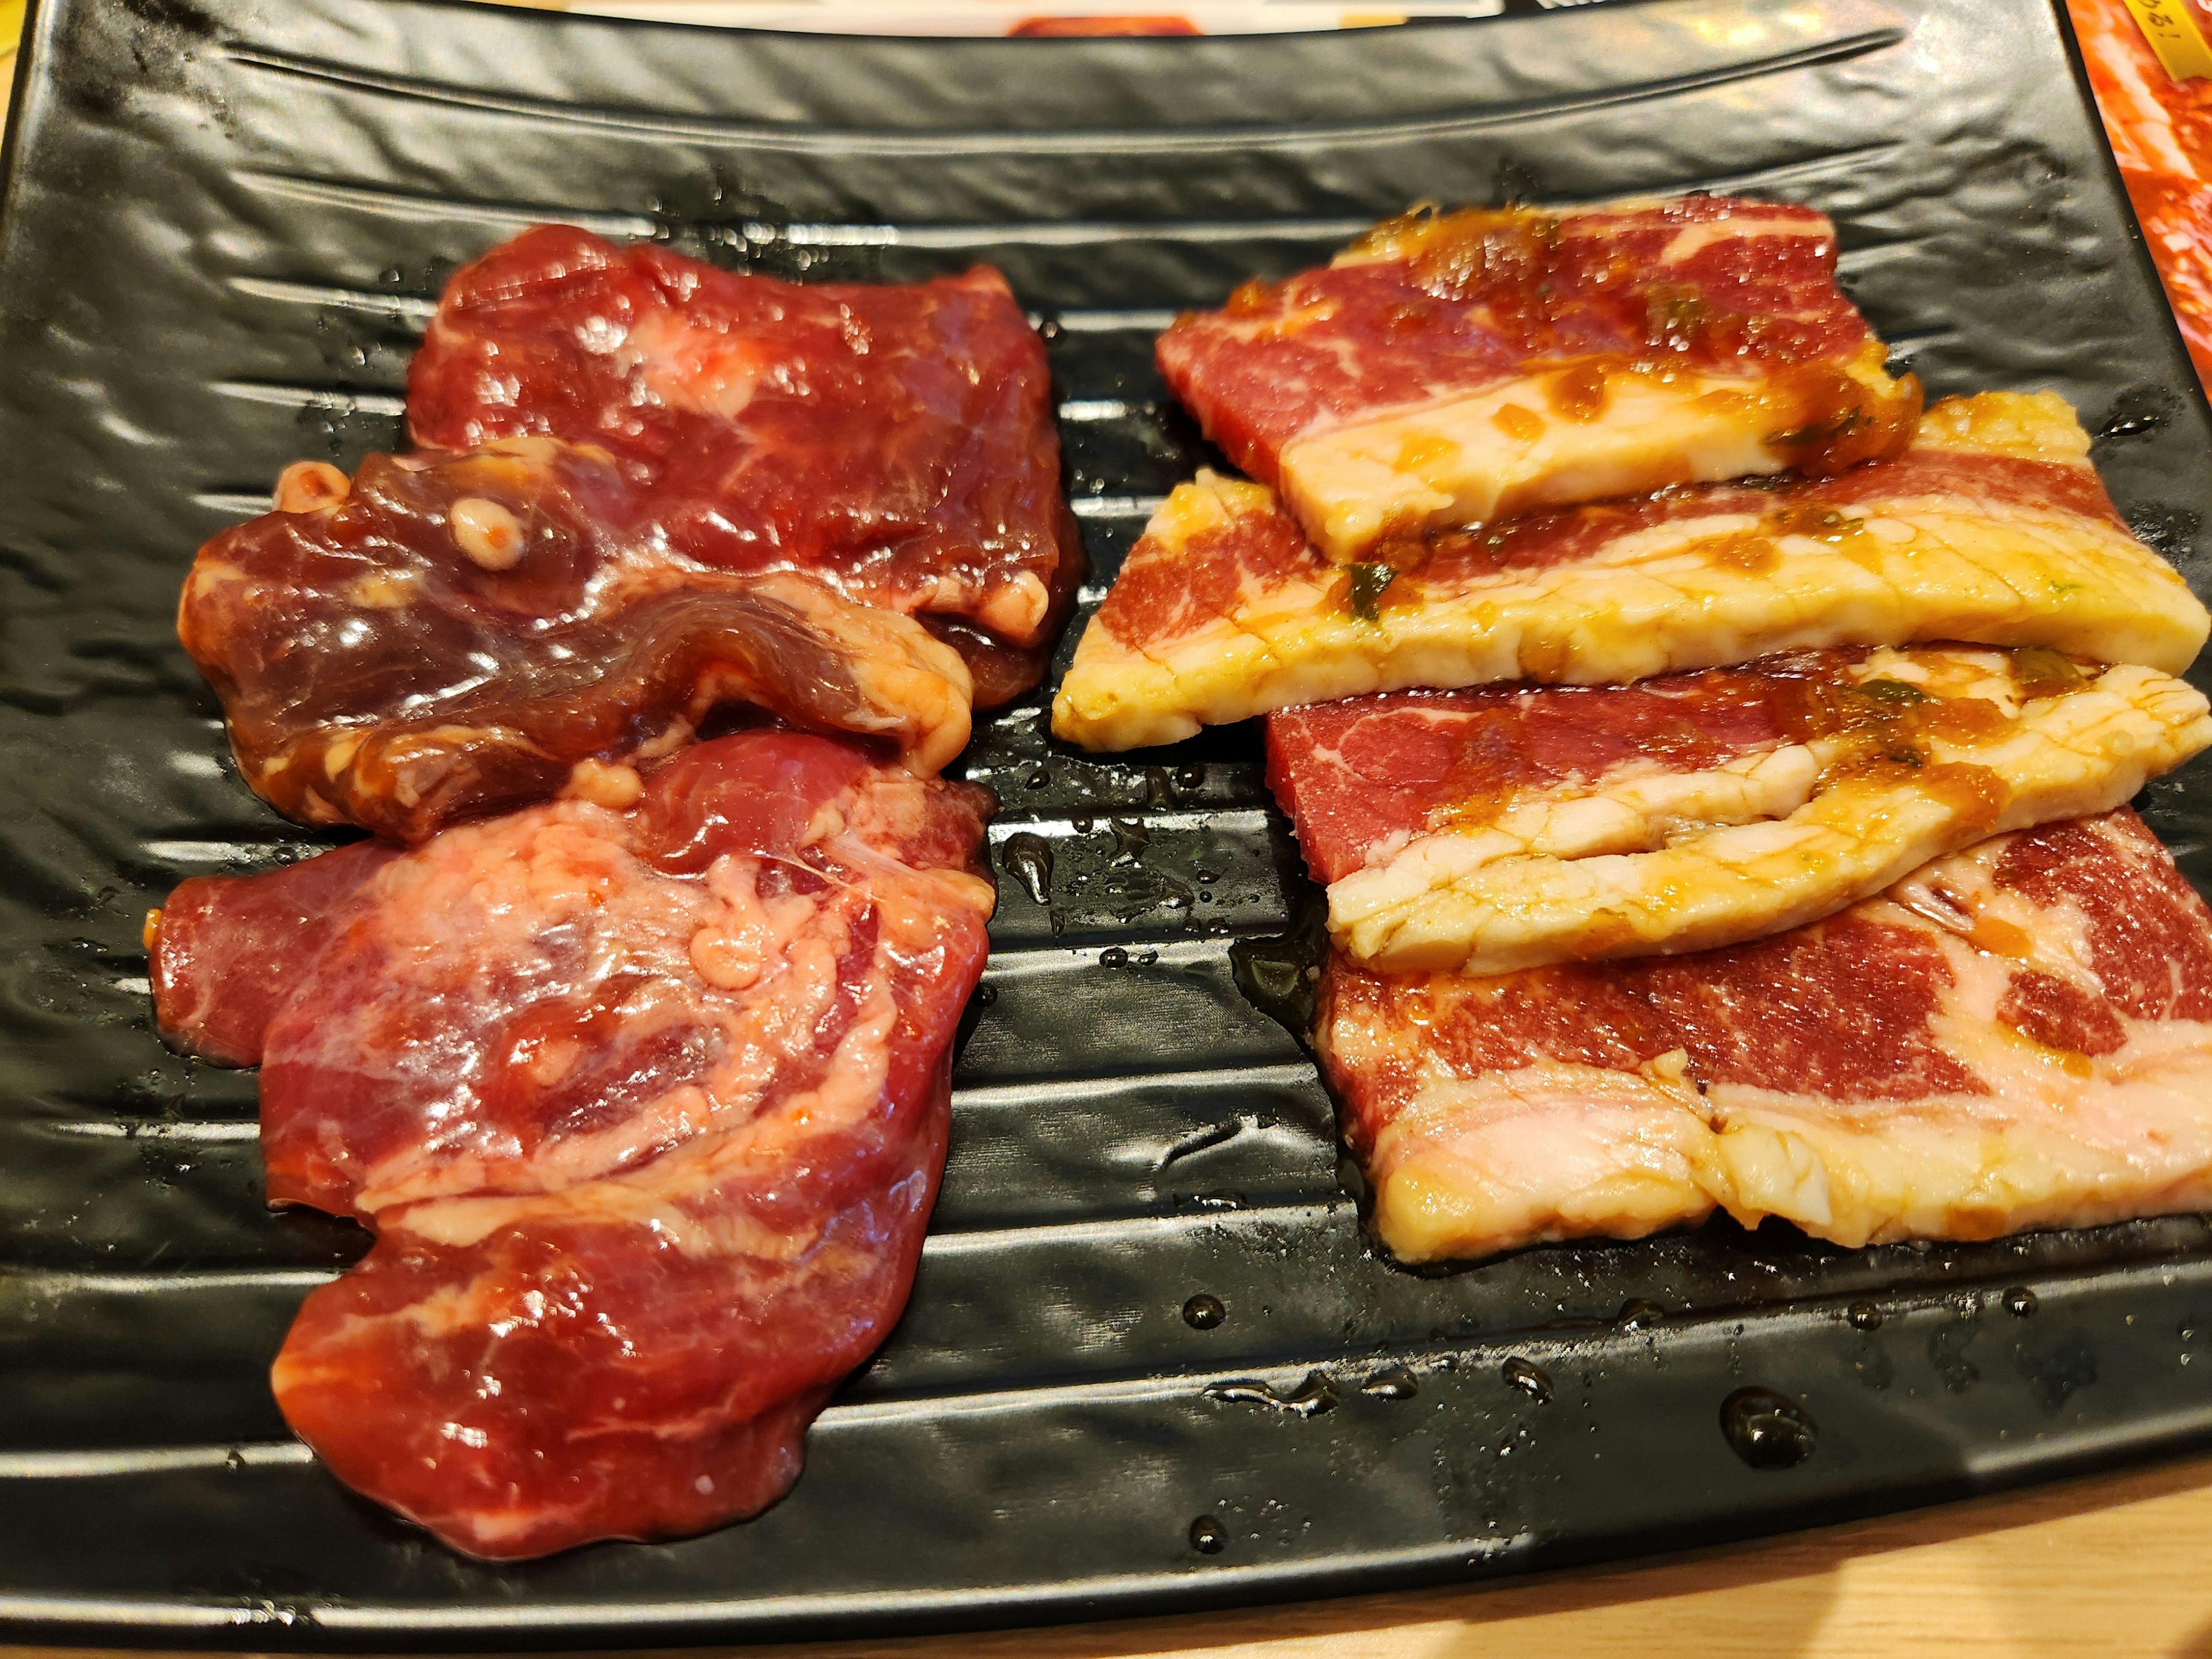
(1507, 827)
(1992, 528)
(440, 637)
(895, 440)
(647, 1107)
(2018, 1036)
(1454, 368)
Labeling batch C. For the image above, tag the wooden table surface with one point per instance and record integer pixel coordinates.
(2113, 1565)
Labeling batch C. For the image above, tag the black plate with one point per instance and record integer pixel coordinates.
(225, 223)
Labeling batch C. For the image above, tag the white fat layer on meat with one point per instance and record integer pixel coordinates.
(2061, 1140)
(712, 955)
(1547, 1153)
(1471, 1166)
(1694, 238)
(671, 1196)
(920, 685)
(1959, 895)
(1651, 601)
(1449, 460)
(1017, 608)
(1400, 239)
(677, 364)
(1691, 861)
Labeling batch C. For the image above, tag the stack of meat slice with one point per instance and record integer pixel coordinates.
(630, 1039)
(1756, 840)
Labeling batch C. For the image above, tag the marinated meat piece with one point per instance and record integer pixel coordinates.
(231, 951)
(1492, 1113)
(2017, 1035)
(647, 1108)
(1992, 529)
(446, 636)
(1506, 828)
(1454, 368)
(895, 440)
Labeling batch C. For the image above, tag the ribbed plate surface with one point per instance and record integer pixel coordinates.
(225, 223)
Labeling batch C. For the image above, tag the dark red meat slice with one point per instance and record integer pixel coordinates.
(446, 636)
(647, 1109)
(1354, 774)
(2152, 954)
(2017, 1035)
(895, 440)
(1506, 827)
(1428, 310)
(1153, 602)
(1846, 1009)
(1498, 293)
(232, 952)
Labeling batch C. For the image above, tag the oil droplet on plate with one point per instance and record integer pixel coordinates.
(1310, 1399)
(2133, 415)
(1637, 1312)
(1203, 1312)
(1207, 1535)
(1864, 1316)
(1029, 858)
(2020, 1301)
(1528, 1376)
(1391, 1382)
(1767, 1429)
